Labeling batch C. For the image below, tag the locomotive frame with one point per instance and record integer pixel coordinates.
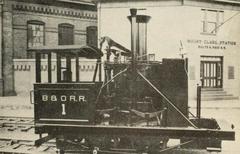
(139, 106)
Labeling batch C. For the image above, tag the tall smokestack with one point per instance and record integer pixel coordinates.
(138, 35)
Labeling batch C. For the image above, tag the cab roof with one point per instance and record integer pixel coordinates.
(86, 51)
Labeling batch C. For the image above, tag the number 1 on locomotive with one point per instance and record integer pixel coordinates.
(63, 109)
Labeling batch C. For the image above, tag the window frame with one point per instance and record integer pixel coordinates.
(88, 39)
(206, 21)
(36, 22)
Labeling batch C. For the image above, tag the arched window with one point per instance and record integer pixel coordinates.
(65, 34)
(92, 35)
(35, 33)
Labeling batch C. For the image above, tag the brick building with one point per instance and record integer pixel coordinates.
(28, 23)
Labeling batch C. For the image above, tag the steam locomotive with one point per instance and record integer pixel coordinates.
(138, 106)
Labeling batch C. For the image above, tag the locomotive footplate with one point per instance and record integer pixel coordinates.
(171, 132)
(87, 138)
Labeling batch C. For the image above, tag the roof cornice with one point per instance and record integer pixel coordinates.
(78, 2)
(218, 1)
(228, 1)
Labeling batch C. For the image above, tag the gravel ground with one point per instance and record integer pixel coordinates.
(18, 106)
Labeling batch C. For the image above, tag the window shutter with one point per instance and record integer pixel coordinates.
(230, 72)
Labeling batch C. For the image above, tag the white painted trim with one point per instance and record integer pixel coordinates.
(77, 2)
(228, 1)
(65, 120)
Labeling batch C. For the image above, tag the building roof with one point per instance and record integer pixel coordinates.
(87, 2)
(228, 1)
(222, 1)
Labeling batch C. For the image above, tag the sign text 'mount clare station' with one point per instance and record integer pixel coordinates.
(211, 44)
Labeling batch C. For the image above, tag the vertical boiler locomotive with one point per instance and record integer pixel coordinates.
(138, 106)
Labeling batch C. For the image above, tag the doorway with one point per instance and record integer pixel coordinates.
(211, 71)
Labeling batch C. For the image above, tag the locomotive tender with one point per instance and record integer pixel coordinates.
(137, 108)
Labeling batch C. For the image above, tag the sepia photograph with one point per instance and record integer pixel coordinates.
(119, 76)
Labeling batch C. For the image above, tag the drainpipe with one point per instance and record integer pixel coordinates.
(7, 49)
(1, 48)
(198, 101)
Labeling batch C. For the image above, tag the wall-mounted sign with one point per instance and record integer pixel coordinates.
(211, 44)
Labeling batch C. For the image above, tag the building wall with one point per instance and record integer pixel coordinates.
(23, 12)
(7, 50)
(1, 51)
(14, 18)
(175, 29)
(24, 70)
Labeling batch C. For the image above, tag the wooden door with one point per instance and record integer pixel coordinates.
(211, 74)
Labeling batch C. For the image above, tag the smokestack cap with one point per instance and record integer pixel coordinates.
(140, 18)
(133, 11)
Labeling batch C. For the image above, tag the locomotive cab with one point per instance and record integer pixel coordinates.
(60, 96)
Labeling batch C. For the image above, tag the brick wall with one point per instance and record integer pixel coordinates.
(16, 14)
(52, 17)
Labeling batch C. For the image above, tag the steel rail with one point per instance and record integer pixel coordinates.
(26, 146)
(6, 121)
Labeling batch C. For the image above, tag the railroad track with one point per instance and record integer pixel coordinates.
(17, 137)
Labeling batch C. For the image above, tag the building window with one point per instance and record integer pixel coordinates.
(230, 72)
(65, 34)
(92, 36)
(211, 71)
(211, 21)
(35, 33)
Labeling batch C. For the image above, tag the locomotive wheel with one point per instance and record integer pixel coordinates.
(114, 144)
(150, 145)
(132, 144)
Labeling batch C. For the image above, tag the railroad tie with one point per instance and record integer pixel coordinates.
(26, 128)
(12, 128)
(16, 146)
(12, 142)
(43, 148)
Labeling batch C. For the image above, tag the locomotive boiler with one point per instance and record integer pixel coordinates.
(133, 104)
